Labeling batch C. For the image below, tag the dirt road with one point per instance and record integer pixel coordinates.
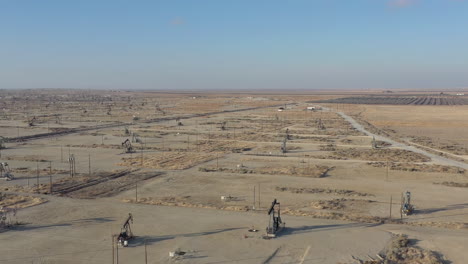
(435, 158)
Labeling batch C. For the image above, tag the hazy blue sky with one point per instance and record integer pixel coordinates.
(234, 44)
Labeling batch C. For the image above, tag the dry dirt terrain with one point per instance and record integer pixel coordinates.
(199, 170)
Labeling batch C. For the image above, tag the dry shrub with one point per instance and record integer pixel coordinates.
(314, 171)
(393, 155)
(334, 204)
(453, 184)
(401, 251)
(223, 146)
(185, 201)
(19, 201)
(322, 190)
(418, 167)
(169, 160)
(328, 147)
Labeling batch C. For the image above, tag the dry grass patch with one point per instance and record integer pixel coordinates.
(169, 160)
(401, 250)
(104, 184)
(393, 155)
(246, 136)
(322, 191)
(19, 201)
(339, 204)
(275, 149)
(186, 201)
(34, 158)
(193, 202)
(223, 146)
(418, 167)
(314, 171)
(453, 184)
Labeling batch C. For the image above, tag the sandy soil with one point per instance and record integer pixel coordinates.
(333, 217)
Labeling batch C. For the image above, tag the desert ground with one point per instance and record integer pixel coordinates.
(204, 168)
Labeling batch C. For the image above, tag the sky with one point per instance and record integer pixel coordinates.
(234, 44)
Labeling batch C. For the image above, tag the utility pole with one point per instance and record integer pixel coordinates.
(89, 164)
(61, 153)
(386, 177)
(50, 183)
(391, 207)
(259, 196)
(136, 191)
(146, 254)
(71, 161)
(117, 251)
(196, 143)
(113, 252)
(37, 178)
(254, 198)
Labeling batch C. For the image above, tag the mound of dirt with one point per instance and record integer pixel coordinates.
(401, 250)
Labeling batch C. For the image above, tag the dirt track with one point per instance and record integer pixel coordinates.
(435, 158)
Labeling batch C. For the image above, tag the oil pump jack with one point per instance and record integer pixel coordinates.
(283, 145)
(275, 224)
(128, 146)
(125, 232)
(406, 207)
(5, 171)
(31, 121)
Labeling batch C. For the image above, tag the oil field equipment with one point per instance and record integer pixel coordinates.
(128, 146)
(125, 232)
(5, 172)
(31, 121)
(275, 224)
(283, 145)
(320, 125)
(406, 207)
